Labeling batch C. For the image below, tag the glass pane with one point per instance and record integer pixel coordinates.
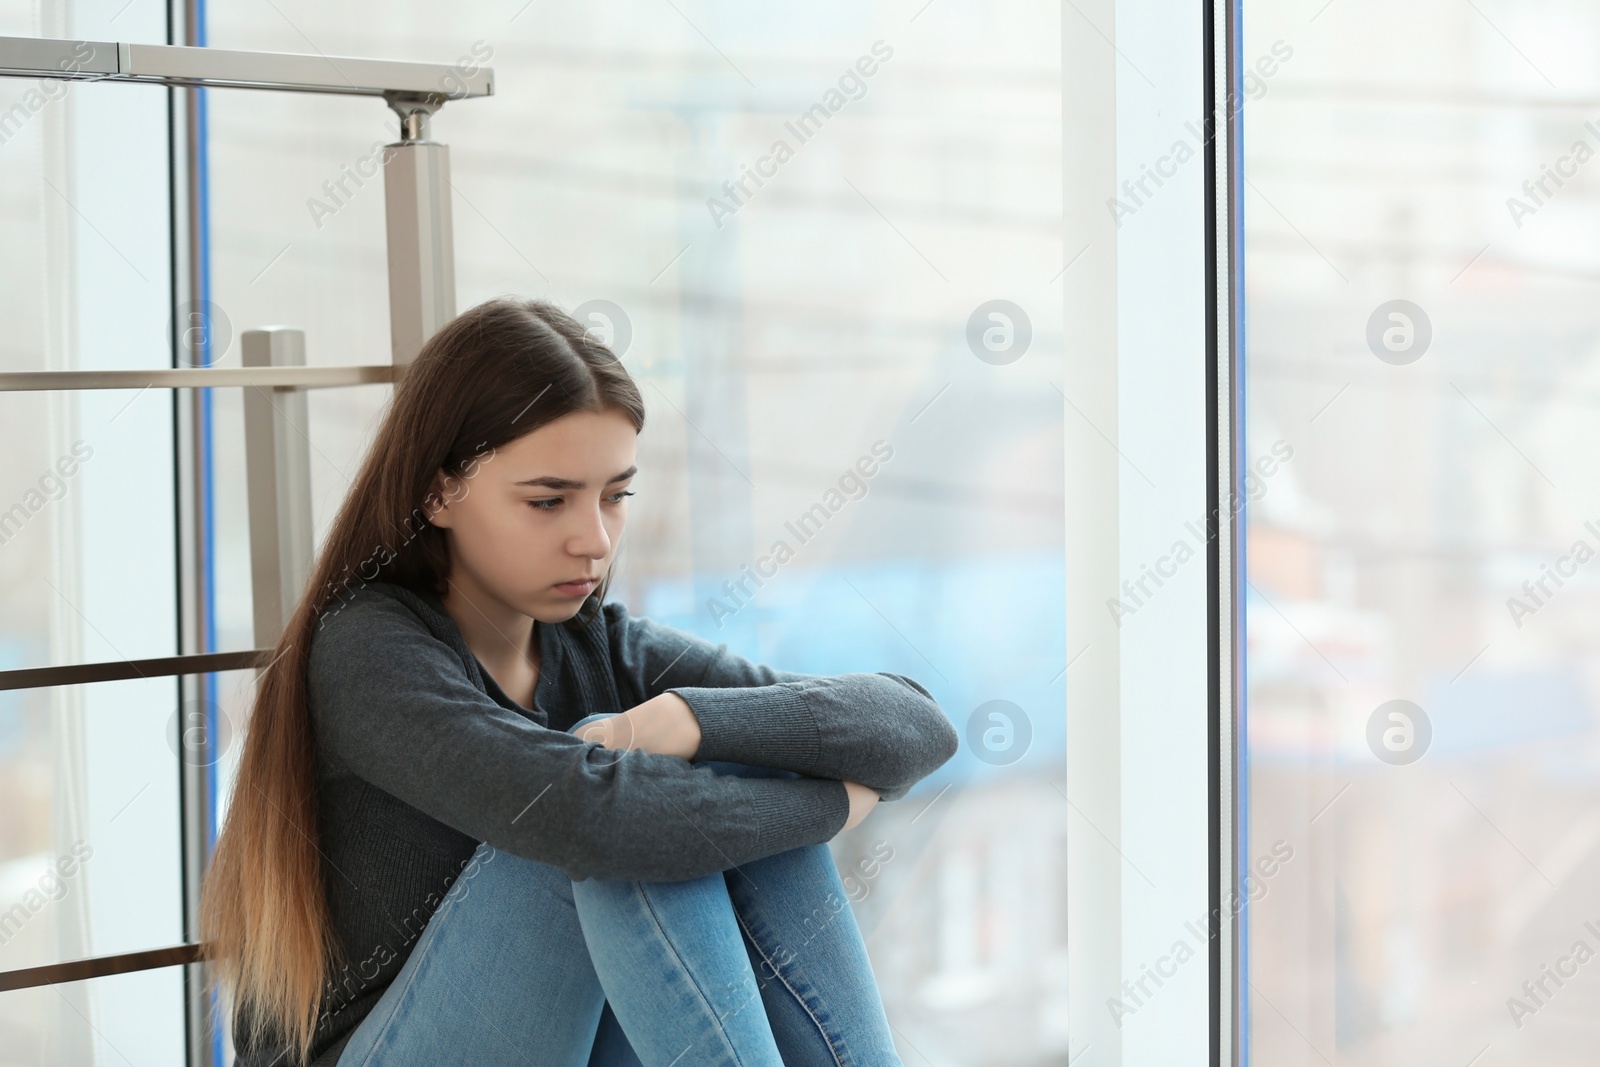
(1424, 790)
(822, 359)
(89, 858)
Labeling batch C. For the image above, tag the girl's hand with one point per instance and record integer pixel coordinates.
(862, 801)
(663, 724)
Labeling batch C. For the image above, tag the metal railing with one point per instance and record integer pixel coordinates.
(421, 272)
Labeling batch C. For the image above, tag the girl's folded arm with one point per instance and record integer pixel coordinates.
(394, 706)
(882, 730)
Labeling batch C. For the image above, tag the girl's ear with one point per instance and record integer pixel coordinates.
(435, 504)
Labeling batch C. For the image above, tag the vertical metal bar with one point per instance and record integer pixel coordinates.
(278, 475)
(422, 273)
(197, 785)
(1231, 818)
(1220, 484)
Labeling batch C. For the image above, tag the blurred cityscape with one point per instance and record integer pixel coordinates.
(1435, 472)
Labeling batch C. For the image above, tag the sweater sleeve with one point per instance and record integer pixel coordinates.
(882, 730)
(393, 704)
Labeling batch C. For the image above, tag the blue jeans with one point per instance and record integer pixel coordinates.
(758, 966)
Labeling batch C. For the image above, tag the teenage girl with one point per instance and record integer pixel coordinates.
(484, 816)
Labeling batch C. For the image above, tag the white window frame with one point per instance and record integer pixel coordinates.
(1152, 440)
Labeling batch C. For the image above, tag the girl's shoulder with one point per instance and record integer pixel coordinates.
(382, 618)
(362, 605)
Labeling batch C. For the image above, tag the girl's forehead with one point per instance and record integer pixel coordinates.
(587, 442)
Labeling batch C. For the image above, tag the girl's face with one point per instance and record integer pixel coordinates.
(535, 524)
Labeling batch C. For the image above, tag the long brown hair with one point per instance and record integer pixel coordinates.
(489, 376)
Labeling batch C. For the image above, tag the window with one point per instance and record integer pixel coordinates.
(1418, 253)
(90, 860)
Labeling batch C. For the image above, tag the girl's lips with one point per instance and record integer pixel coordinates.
(581, 587)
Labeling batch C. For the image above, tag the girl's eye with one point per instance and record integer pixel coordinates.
(549, 504)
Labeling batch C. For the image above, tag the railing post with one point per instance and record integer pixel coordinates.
(278, 473)
(421, 243)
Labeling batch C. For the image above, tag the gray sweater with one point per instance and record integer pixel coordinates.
(421, 756)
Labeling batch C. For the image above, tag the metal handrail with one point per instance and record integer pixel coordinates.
(101, 966)
(122, 670)
(199, 377)
(168, 64)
